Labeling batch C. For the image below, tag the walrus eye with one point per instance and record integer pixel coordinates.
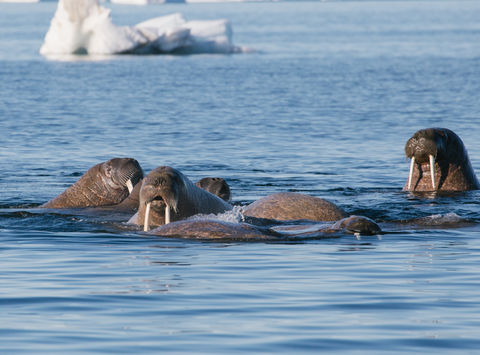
(159, 182)
(108, 171)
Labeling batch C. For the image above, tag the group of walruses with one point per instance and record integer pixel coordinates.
(166, 199)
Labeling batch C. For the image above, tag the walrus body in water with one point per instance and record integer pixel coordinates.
(167, 195)
(439, 162)
(291, 206)
(104, 184)
(214, 229)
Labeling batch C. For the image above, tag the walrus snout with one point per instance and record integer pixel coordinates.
(156, 210)
(160, 187)
(158, 197)
(425, 143)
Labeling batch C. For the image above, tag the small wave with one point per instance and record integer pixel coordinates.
(439, 219)
(448, 220)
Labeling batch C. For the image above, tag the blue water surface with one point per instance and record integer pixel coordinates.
(322, 105)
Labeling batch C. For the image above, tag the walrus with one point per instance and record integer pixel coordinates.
(106, 183)
(216, 186)
(215, 229)
(291, 206)
(439, 162)
(358, 225)
(167, 195)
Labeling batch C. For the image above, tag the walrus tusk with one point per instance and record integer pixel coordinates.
(129, 186)
(167, 214)
(432, 169)
(145, 222)
(410, 174)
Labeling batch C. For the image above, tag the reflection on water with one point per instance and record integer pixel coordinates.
(80, 57)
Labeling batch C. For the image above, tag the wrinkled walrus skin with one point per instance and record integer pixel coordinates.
(441, 151)
(292, 206)
(104, 184)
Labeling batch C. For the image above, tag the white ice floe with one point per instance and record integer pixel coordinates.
(138, 2)
(202, 1)
(24, 1)
(85, 27)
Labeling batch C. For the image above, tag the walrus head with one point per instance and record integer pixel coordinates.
(358, 225)
(122, 173)
(216, 186)
(442, 162)
(159, 194)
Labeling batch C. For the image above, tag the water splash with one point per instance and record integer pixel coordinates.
(235, 215)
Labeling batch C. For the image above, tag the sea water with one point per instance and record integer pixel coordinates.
(323, 105)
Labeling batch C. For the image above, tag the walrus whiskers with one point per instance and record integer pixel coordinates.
(432, 169)
(412, 165)
(130, 179)
(147, 213)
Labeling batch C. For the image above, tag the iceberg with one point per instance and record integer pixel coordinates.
(142, 2)
(20, 1)
(85, 27)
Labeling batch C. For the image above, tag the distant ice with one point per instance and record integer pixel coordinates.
(201, 1)
(146, 2)
(85, 27)
(142, 2)
(25, 1)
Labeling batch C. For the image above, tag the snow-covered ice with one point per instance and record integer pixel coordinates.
(85, 27)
